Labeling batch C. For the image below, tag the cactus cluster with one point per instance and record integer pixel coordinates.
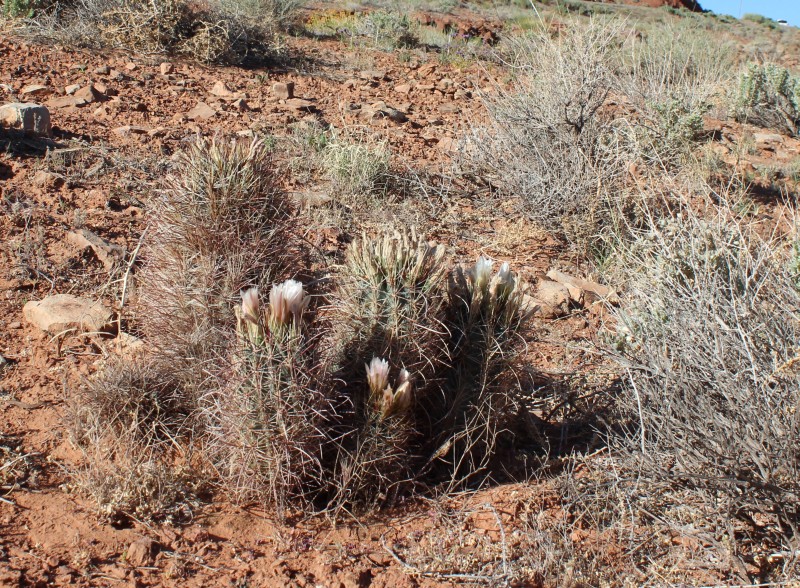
(346, 402)
(407, 359)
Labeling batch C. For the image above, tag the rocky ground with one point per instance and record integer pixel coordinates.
(71, 221)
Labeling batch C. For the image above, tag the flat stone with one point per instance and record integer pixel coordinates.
(128, 345)
(300, 104)
(448, 144)
(403, 88)
(372, 74)
(108, 253)
(35, 90)
(221, 90)
(201, 112)
(65, 102)
(48, 180)
(166, 68)
(71, 89)
(62, 312)
(87, 95)
(29, 118)
(127, 130)
(766, 138)
(592, 290)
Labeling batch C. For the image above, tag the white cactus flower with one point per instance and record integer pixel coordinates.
(504, 283)
(378, 375)
(251, 305)
(288, 300)
(387, 402)
(404, 377)
(481, 273)
(402, 398)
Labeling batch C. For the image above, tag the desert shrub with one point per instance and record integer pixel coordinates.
(769, 96)
(546, 141)
(708, 336)
(760, 19)
(212, 32)
(356, 166)
(132, 424)
(672, 78)
(18, 9)
(274, 14)
(220, 226)
(391, 30)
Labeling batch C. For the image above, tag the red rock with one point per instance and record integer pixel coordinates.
(300, 104)
(62, 312)
(141, 552)
(221, 90)
(35, 90)
(48, 180)
(201, 112)
(29, 118)
(128, 130)
(64, 102)
(87, 95)
(283, 90)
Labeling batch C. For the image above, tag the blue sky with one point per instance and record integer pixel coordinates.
(775, 9)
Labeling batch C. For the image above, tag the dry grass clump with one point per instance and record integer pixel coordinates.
(209, 31)
(708, 336)
(357, 167)
(220, 226)
(16, 467)
(546, 141)
(388, 29)
(134, 428)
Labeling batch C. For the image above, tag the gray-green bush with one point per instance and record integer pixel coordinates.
(672, 78)
(768, 95)
(546, 141)
(708, 335)
(228, 31)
